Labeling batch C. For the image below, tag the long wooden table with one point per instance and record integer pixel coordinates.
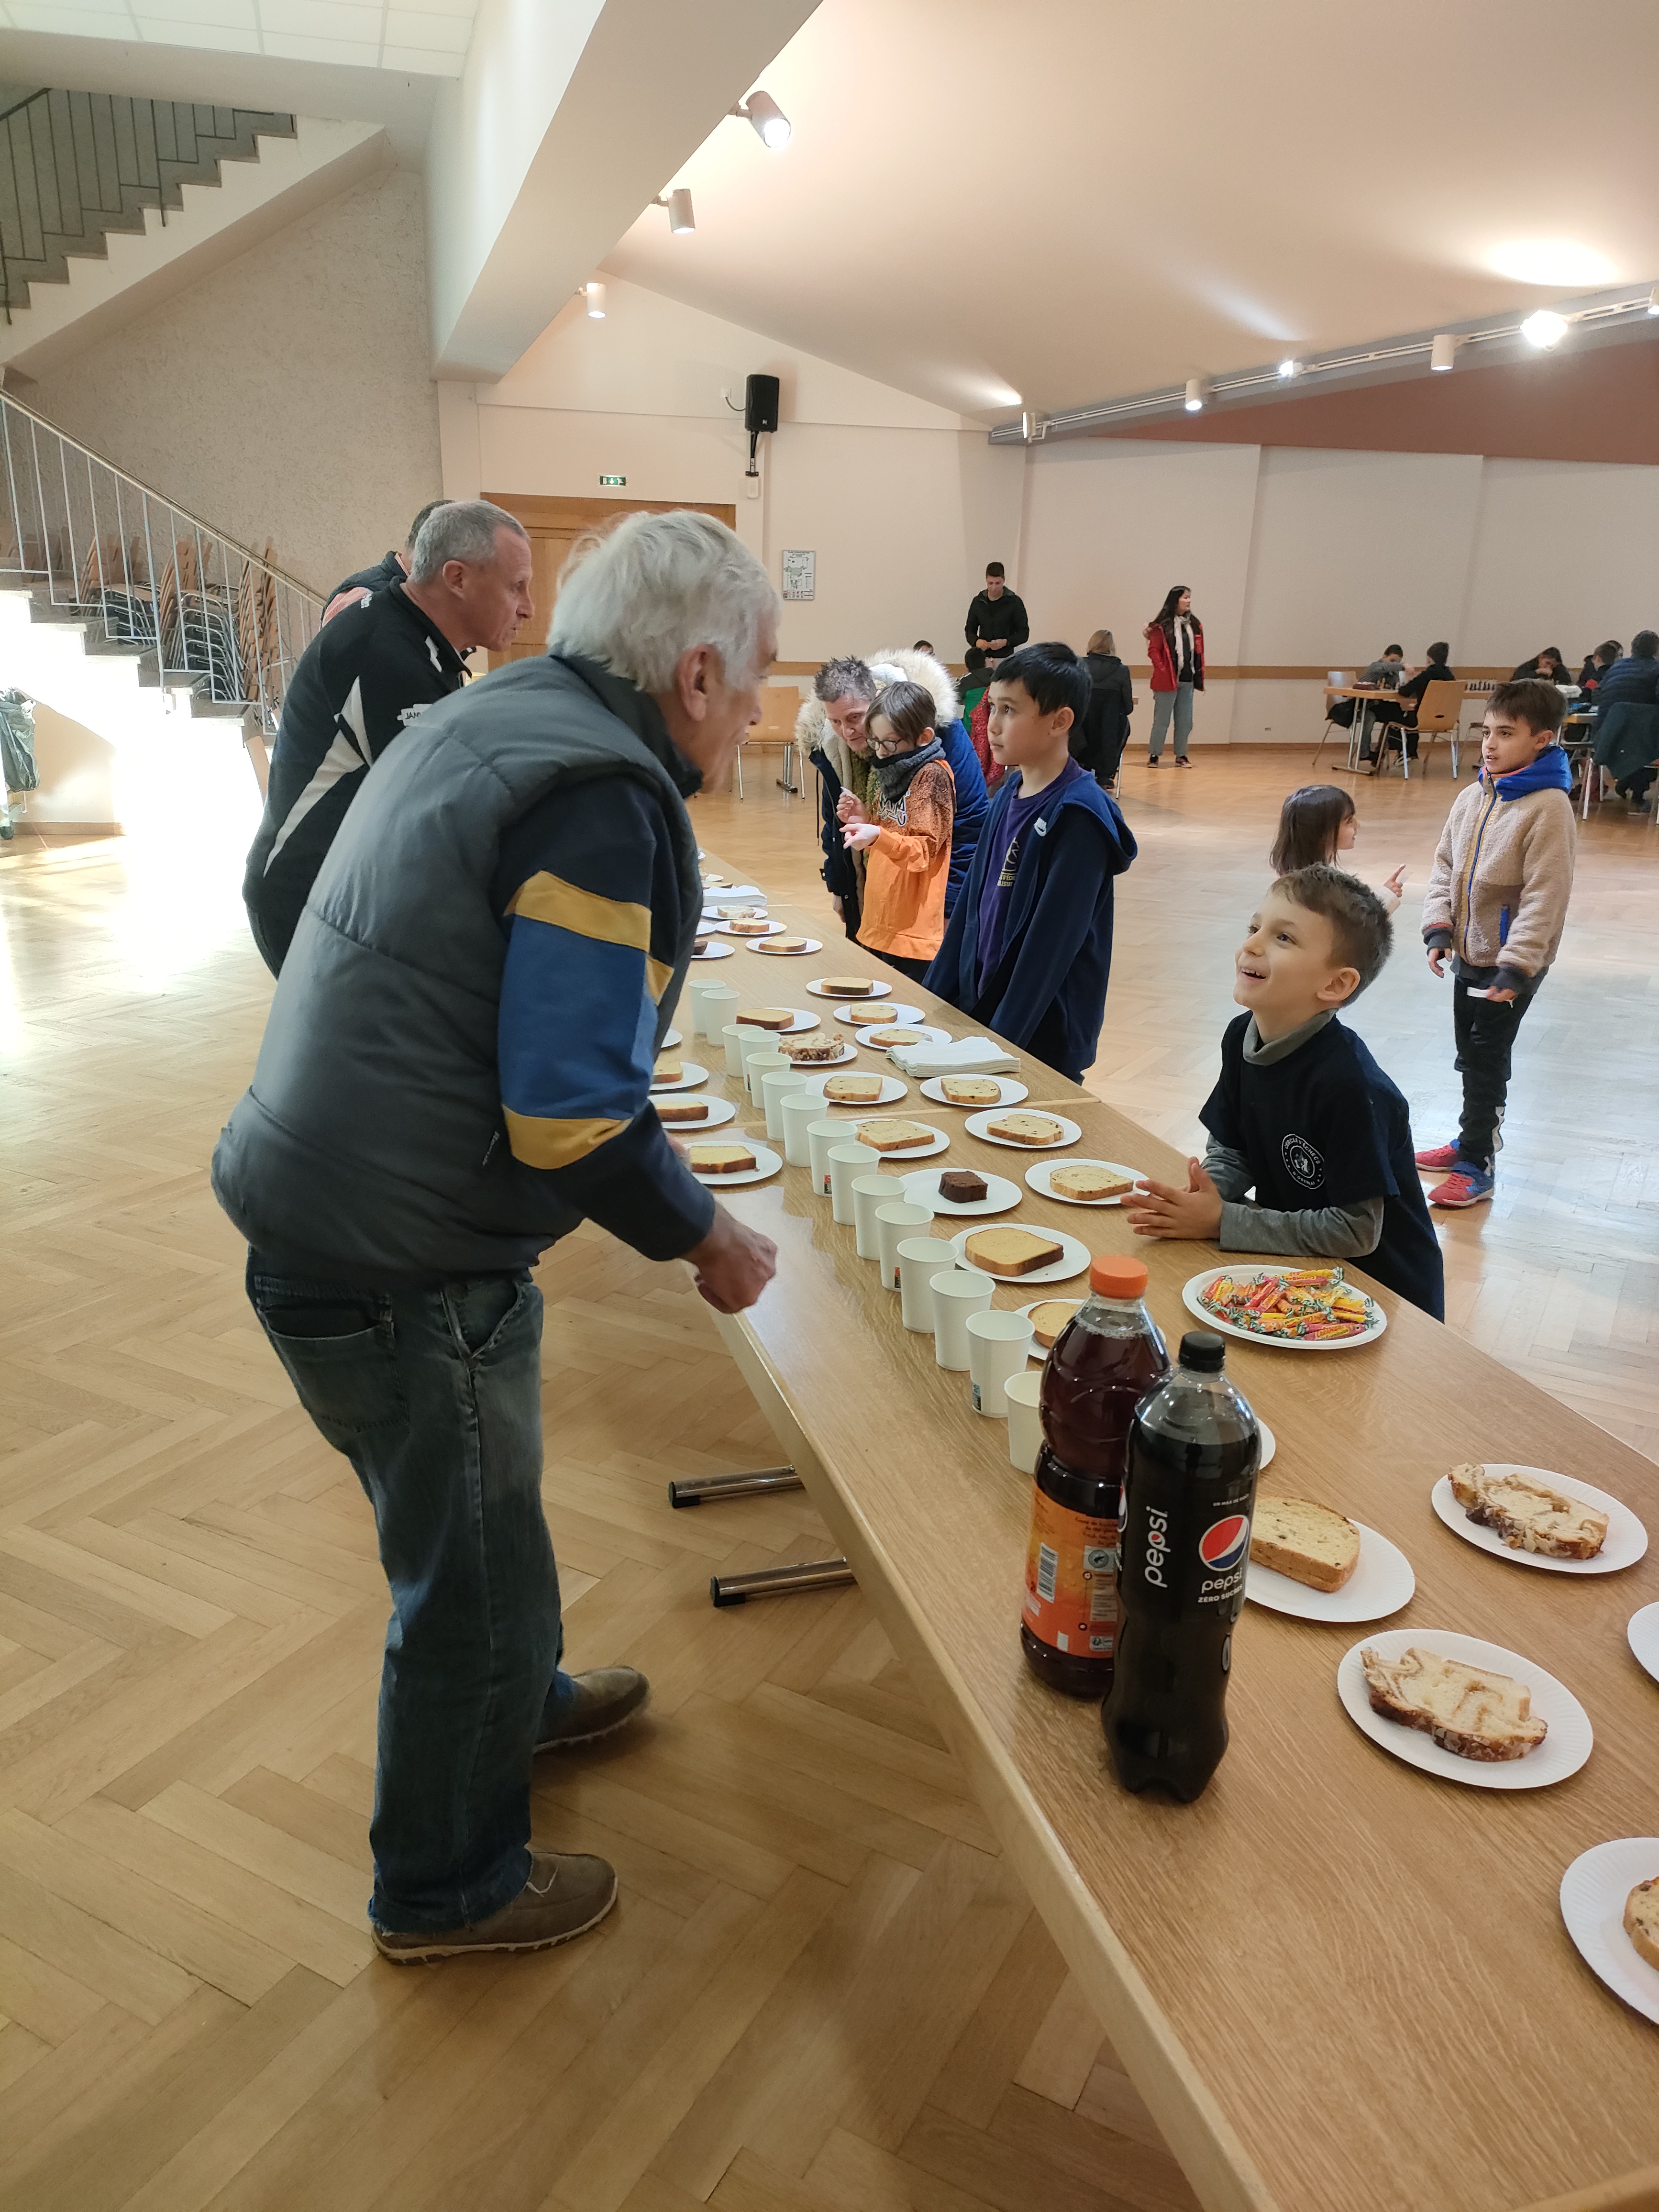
(1337, 1981)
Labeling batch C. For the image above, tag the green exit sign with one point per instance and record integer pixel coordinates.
(609, 484)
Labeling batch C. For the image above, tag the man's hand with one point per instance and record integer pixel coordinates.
(1437, 957)
(733, 1264)
(849, 809)
(858, 835)
(1164, 1210)
(342, 600)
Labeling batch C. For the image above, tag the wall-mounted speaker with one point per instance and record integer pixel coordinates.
(760, 404)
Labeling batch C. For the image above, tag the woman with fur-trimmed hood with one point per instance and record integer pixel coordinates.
(830, 735)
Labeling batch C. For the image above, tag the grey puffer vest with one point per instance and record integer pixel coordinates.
(370, 1145)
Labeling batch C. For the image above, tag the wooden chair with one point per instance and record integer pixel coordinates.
(1346, 734)
(1439, 715)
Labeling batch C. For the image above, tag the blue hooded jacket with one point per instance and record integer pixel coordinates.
(1551, 771)
(1047, 992)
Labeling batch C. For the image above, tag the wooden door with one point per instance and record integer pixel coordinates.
(554, 527)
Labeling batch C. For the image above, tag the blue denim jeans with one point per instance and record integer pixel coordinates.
(434, 1396)
(1180, 702)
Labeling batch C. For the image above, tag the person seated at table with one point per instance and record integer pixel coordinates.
(1437, 669)
(1383, 674)
(1302, 1115)
(1632, 682)
(1029, 951)
(1597, 664)
(904, 833)
(1318, 823)
(1547, 667)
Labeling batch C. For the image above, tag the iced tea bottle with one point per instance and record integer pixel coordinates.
(1104, 1361)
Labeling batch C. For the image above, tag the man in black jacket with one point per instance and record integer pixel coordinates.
(996, 623)
(391, 570)
(360, 682)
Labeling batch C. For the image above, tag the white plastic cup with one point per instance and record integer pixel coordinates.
(847, 1163)
(713, 1004)
(758, 1065)
(734, 1039)
(821, 1137)
(956, 1295)
(999, 1345)
(895, 1222)
(870, 1191)
(775, 1085)
(920, 1258)
(797, 1110)
(756, 1043)
(1025, 1423)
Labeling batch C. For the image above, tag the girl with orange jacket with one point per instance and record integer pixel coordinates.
(905, 833)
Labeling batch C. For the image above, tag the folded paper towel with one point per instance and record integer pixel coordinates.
(970, 1055)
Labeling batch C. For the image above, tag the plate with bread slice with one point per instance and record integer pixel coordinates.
(1610, 1902)
(1464, 1709)
(961, 1190)
(974, 1090)
(782, 1021)
(893, 1036)
(1643, 1630)
(862, 1088)
(724, 1161)
(1025, 1133)
(1083, 1182)
(1539, 1519)
(692, 1113)
(752, 925)
(810, 1053)
(1021, 1256)
(895, 1138)
(871, 1013)
(787, 948)
(672, 1074)
(849, 987)
(711, 948)
(1311, 1561)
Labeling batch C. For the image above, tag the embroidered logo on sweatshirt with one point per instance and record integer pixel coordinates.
(1305, 1164)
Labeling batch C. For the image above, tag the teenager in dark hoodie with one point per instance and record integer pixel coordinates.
(1029, 948)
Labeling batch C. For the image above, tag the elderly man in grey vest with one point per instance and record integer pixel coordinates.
(455, 1072)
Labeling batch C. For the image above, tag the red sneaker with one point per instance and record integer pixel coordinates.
(1439, 1156)
(1469, 1186)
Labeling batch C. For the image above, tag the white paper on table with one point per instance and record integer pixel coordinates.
(970, 1055)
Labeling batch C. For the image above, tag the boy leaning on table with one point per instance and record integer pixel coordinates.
(1303, 1115)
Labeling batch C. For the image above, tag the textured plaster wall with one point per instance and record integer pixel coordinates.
(287, 395)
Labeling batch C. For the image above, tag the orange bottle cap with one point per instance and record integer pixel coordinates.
(1117, 1277)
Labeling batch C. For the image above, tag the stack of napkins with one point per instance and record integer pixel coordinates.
(971, 1055)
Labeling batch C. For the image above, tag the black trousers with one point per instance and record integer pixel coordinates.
(1485, 1032)
(915, 969)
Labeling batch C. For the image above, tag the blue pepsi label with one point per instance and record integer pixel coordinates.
(1182, 1553)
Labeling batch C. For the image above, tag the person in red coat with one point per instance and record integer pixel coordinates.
(1175, 638)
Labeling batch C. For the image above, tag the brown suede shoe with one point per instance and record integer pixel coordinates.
(567, 1893)
(607, 1698)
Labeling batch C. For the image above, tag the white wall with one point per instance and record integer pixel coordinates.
(76, 770)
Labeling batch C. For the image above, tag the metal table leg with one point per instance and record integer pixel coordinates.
(778, 1582)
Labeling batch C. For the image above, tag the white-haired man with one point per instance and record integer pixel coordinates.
(456, 1072)
(360, 682)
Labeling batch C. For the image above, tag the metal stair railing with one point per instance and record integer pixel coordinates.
(77, 165)
(143, 573)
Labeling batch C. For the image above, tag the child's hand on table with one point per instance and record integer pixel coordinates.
(1162, 1210)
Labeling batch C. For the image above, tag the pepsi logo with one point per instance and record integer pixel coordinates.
(1224, 1543)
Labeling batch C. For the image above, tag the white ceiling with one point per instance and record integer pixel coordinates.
(425, 38)
(1075, 199)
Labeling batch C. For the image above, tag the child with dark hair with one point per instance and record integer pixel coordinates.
(1318, 823)
(1303, 1116)
(904, 833)
(1029, 950)
(1497, 902)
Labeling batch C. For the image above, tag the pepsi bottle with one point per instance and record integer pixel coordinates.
(1189, 1495)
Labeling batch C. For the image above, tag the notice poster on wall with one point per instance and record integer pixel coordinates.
(799, 574)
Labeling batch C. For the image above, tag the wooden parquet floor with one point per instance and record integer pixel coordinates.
(823, 1991)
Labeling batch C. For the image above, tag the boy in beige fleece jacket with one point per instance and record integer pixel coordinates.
(1497, 901)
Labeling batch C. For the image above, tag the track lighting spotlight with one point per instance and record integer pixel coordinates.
(1442, 354)
(1288, 369)
(771, 124)
(1544, 329)
(1197, 392)
(1653, 301)
(678, 204)
(594, 296)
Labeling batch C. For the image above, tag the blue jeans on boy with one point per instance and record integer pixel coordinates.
(434, 1396)
(1181, 700)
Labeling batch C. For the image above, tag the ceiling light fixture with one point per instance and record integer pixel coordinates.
(771, 124)
(1544, 329)
(594, 296)
(678, 204)
(1197, 392)
(1288, 369)
(1442, 354)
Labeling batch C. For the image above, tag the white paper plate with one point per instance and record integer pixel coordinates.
(689, 1081)
(1074, 1260)
(795, 952)
(846, 1053)
(1594, 1889)
(731, 895)
(918, 1032)
(1001, 1196)
(1269, 1446)
(1036, 1179)
(875, 991)
(1190, 1298)
(767, 1163)
(937, 1143)
(799, 1022)
(671, 1038)
(1381, 1583)
(977, 1125)
(716, 952)
(904, 1016)
(1562, 1752)
(1010, 1092)
(891, 1088)
(720, 1111)
(1627, 1539)
(1644, 1633)
(753, 936)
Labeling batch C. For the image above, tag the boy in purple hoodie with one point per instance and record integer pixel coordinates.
(1496, 901)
